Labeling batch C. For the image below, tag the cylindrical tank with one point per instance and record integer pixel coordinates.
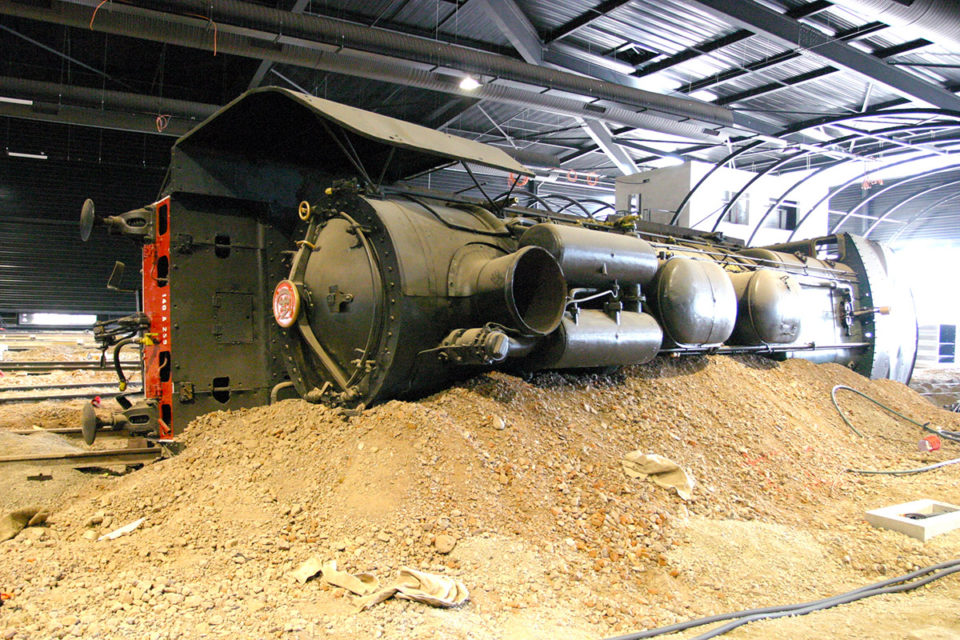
(792, 263)
(592, 258)
(595, 339)
(769, 308)
(695, 302)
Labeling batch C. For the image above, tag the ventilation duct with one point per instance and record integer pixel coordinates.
(435, 52)
(194, 33)
(935, 20)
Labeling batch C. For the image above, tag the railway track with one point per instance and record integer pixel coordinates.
(42, 366)
(138, 450)
(66, 385)
(65, 396)
(100, 457)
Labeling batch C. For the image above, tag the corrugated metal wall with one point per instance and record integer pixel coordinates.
(939, 223)
(43, 264)
(45, 267)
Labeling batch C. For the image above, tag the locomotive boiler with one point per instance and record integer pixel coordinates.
(286, 255)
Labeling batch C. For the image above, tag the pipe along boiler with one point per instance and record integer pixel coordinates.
(284, 252)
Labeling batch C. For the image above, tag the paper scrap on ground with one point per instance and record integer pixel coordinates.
(361, 584)
(308, 569)
(659, 470)
(429, 588)
(14, 522)
(127, 528)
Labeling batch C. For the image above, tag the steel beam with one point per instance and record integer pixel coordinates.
(583, 20)
(98, 118)
(778, 85)
(694, 52)
(885, 217)
(921, 214)
(514, 24)
(791, 33)
(445, 114)
(265, 65)
(774, 60)
(522, 34)
(601, 135)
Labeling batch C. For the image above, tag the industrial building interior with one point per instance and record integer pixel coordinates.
(470, 478)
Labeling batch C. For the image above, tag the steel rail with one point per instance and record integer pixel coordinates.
(88, 458)
(17, 365)
(61, 396)
(66, 385)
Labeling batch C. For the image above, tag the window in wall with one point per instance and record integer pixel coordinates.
(739, 212)
(784, 216)
(948, 343)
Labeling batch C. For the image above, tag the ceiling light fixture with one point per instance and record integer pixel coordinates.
(469, 83)
(16, 101)
(32, 156)
(703, 94)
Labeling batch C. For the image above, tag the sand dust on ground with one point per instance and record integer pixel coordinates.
(550, 536)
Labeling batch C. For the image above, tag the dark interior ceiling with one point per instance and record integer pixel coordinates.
(781, 85)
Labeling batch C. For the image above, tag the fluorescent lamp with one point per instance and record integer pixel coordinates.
(660, 84)
(703, 94)
(58, 319)
(32, 156)
(16, 101)
(469, 83)
(666, 161)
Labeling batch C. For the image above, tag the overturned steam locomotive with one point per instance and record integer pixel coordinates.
(283, 253)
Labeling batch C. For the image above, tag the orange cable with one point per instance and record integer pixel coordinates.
(210, 20)
(103, 2)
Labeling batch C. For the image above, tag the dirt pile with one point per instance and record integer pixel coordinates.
(514, 487)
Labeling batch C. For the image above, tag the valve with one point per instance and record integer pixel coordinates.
(305, 210)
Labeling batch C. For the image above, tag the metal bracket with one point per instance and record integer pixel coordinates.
(337, 299)
(184, 244)
(186, 392)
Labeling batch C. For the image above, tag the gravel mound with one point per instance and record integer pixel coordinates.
(514, 487)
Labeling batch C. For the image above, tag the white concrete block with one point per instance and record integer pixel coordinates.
(920, 519)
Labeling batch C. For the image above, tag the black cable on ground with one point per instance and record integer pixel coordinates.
(904, 472)
(951, 436)
(946, 435)
(906, 582)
